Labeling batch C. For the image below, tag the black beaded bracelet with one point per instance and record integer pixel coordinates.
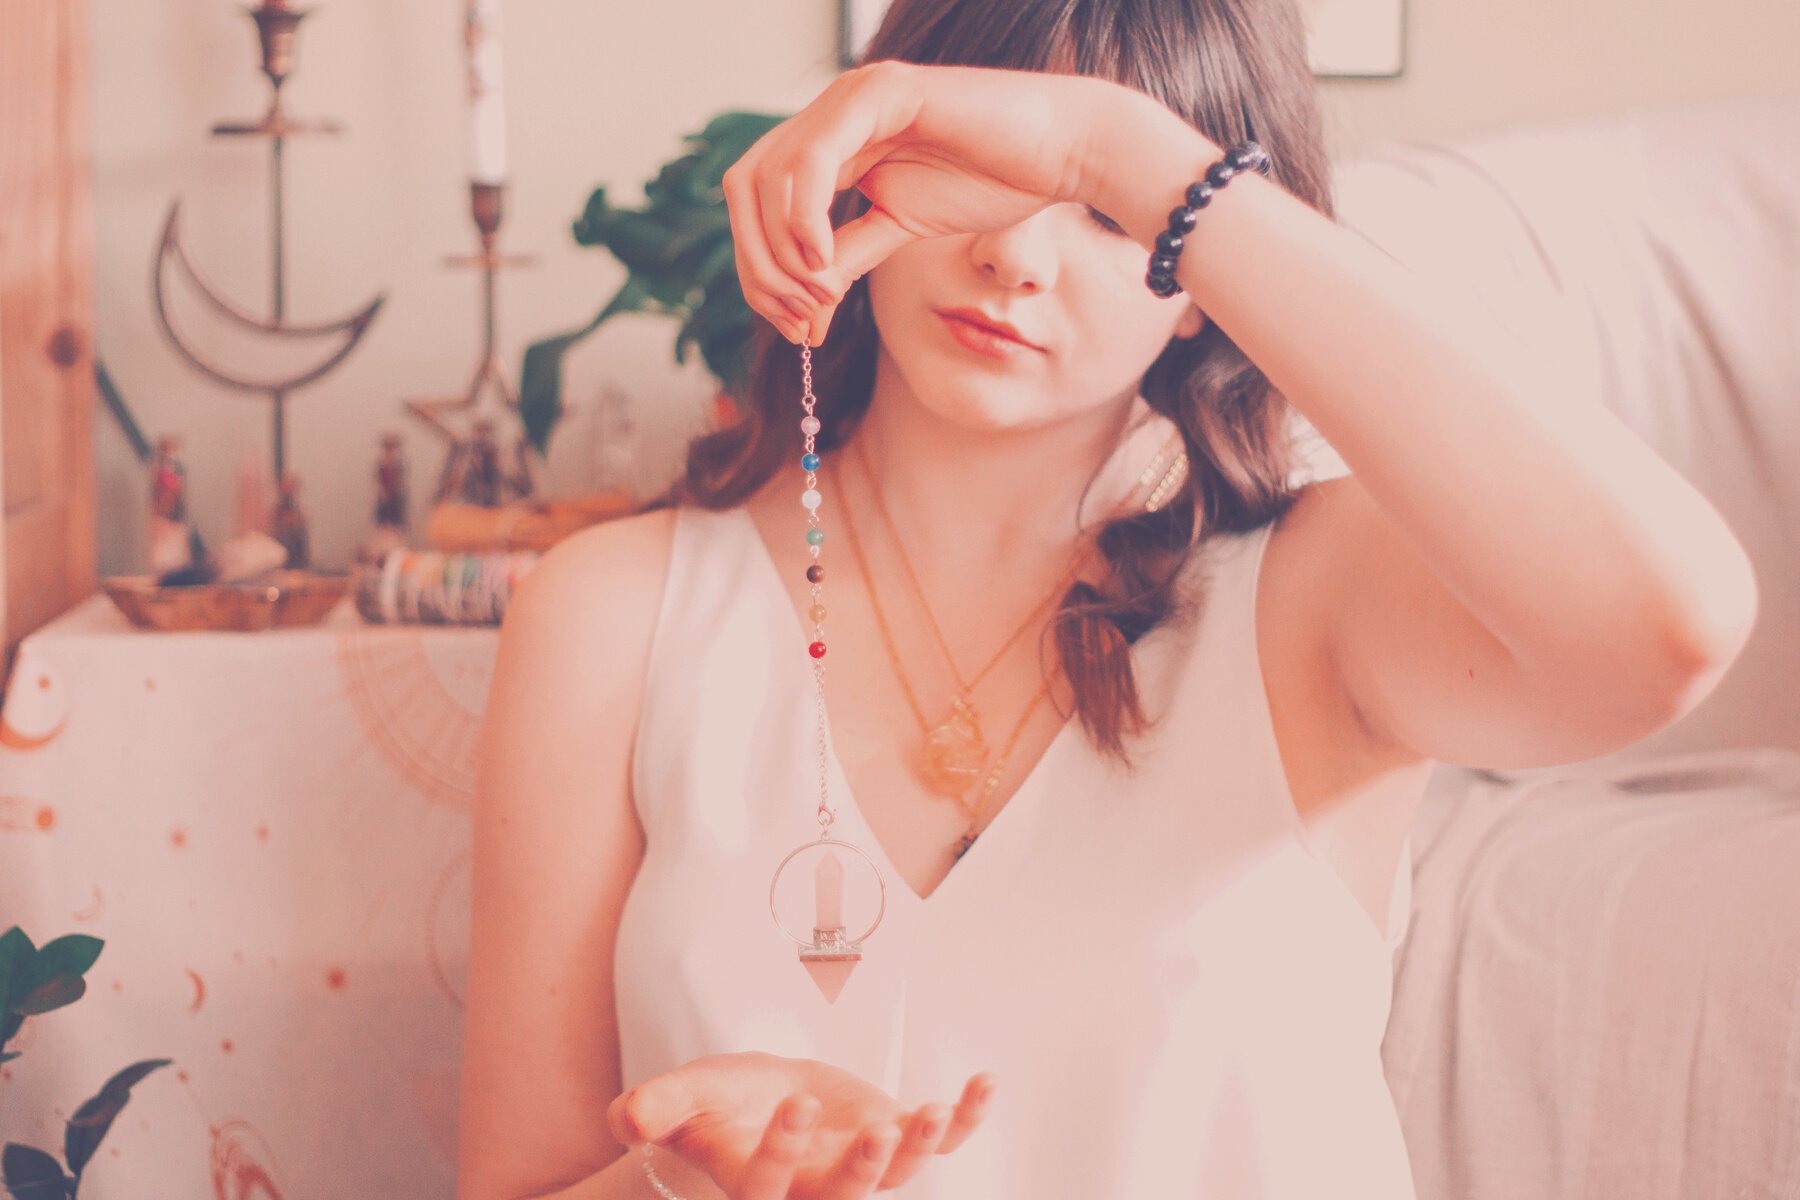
(1245, 156)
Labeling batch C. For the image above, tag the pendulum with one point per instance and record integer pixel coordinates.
(830, 954)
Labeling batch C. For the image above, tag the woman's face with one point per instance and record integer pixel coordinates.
(1066, 278)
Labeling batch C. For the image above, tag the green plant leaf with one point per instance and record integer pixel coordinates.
(50, 977)
(95, 1117)
(16, 952)
(590, 225)
(720, 327)
(540, 374)
(679, 260)
(54, 993)
(30, 1174)
(71, 954)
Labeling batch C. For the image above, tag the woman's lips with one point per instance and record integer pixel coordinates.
(984, 341)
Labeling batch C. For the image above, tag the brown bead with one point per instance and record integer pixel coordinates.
(815, 574)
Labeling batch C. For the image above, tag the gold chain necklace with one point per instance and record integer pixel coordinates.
(955, 750)
(952, 789)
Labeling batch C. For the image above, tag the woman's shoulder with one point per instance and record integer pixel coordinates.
(619, 556)
(601, 585)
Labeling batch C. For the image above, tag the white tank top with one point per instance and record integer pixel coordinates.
(1177, 994)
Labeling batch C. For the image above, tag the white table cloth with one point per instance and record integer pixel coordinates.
(270, 832)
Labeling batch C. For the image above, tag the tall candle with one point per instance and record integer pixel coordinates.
(487, 96)
(828, 890)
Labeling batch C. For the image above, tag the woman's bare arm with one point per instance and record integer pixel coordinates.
(1517, 579)
(556, 847)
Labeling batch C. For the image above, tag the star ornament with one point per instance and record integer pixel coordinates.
(490, 459)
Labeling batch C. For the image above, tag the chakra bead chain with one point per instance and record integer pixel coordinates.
(815, 573)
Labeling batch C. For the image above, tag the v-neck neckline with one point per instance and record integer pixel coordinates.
(840, 782)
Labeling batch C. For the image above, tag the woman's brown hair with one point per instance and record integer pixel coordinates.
(1234, 69)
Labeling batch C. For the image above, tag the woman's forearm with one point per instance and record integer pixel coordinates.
(1501, 470)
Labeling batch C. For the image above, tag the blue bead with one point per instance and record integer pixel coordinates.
(809, 462)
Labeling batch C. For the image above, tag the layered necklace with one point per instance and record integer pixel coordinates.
(954, 753)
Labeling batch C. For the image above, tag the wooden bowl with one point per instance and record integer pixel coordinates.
(283, 599)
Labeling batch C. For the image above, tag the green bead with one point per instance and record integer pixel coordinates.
(815, 537)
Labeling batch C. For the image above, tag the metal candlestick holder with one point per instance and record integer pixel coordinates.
(276, 26)
(461, 419)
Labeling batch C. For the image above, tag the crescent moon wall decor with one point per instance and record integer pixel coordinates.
(276, 27)
(1355, 38)
(346, 331)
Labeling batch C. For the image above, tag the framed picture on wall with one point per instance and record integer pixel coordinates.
(1355, 37)
(857, 20)
(1344, 37)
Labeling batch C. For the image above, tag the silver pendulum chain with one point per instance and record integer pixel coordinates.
(831, 952)
(809, 426)
(662, 1189)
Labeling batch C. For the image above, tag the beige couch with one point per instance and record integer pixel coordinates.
(1599, 998)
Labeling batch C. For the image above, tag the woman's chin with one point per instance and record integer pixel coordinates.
(987, 410)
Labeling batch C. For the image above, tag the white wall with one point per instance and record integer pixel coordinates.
(601, 92)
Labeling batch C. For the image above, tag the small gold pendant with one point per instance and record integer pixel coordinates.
(955, 752)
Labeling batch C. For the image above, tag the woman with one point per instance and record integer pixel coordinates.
(1165, 972)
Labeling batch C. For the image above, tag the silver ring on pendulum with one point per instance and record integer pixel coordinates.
(829, 945)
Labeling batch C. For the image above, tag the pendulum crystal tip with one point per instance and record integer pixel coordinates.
(829, 960)
(830, 977)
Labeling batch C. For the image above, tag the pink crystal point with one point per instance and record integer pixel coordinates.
(828, 892)
(830, 976)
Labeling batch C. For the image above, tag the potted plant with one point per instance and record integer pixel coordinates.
(677, 249)
(34, 981)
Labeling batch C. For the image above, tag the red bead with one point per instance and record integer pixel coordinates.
(817, 649)
(815, 574)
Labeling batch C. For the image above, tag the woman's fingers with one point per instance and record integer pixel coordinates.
(864, 1162)
(774, 192)
(860, 245)
(779, 195)
(812, 186)
(852, 126)
(769, 1172)
(923, 1133)
(969, 1112)
(767, 288)
(864, 242)
(817, 326)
